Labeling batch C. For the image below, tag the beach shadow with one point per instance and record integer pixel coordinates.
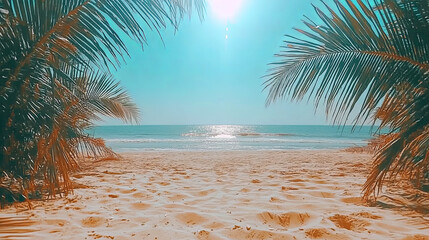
(15, 227)
(404, 202)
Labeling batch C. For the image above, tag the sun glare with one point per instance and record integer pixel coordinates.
(225, 9)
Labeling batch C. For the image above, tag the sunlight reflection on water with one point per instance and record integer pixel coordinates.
(229, 137)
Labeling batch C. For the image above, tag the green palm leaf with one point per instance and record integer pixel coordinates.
(347, 57)
(52, 57)
(104, 96)
(361, 56)
(74, 105)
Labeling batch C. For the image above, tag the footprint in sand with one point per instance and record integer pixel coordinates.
(348, 222)
(93, 221)
(190, 218)
(290, 219)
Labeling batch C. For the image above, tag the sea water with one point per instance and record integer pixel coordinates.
(231, 137)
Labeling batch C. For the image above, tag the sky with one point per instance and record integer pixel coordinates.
(211, 71)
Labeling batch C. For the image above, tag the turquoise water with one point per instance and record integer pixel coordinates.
(230, 137)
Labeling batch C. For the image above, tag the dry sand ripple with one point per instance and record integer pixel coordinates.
(223, 195)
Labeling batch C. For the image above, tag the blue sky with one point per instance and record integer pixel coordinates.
(197, 76)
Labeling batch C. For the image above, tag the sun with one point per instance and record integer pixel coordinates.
(225, 9)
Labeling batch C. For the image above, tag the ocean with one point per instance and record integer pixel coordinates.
(230, 137)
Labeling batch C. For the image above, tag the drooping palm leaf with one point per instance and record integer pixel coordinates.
(345, 58)
(104, 96)
(80, 30)
(405, 152)
(50, 88)
(368, 53)
(63, 140)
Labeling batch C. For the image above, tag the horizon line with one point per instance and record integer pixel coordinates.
(234, 124)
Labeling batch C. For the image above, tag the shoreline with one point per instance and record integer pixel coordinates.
(236, 150)
(280, 194)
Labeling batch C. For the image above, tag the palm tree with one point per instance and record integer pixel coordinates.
(373, 57)
(55, 58)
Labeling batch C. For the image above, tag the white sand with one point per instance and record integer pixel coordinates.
(223, 195)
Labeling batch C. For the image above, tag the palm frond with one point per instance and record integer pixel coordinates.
(405, 152)
(104, 96)
(52, 57)
(377, 54)
(345, 58)
(74, 104)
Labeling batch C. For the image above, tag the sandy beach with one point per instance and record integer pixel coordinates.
(214, 119)
(223, 195)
